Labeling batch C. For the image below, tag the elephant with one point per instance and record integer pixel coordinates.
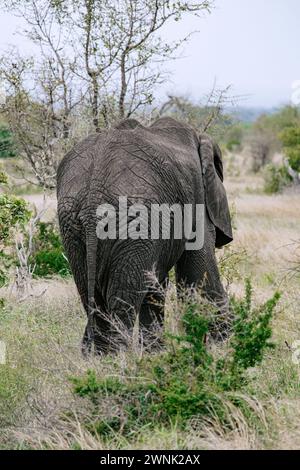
(168, 162)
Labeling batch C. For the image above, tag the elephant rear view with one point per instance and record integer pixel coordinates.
(123, 199)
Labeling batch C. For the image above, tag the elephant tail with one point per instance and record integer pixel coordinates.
(91, 261)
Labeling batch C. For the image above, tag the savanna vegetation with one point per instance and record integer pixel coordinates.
(193, 392)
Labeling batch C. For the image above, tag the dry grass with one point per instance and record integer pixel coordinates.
(43, 335)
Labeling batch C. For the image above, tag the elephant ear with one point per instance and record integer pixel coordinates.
(215, 194)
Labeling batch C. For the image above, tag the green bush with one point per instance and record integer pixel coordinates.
(185, 382)
(7, 145)
(252, 330)
(233, 144)
(275, 178)
(250, 339)
(47, 236)
(51, 262)
(13, 211)
(48, 256)
(3, 177)
(290, 138)
(7, 260)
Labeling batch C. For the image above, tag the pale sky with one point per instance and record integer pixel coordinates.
(253, 45)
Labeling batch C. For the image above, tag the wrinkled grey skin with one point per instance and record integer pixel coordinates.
(164, 163)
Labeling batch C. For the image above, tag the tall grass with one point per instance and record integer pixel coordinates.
(49, 399)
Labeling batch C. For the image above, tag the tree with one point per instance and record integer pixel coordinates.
(120, 49)
(97, 59)
(264, 137)
(113, 49)
(35, 116)
(261, 147)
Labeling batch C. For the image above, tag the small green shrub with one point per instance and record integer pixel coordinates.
(7, 145)
(290, 138)
(252, 329)
(47, 236)
(233, 144)
(6, 261)
(276, 178)
(13, 211)
(250, 339)
(185, 382)
(3, 177)
(48, 256)
(51, 262)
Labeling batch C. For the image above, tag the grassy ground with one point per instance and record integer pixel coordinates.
(43, 331)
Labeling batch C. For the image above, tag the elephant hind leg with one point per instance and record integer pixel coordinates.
(126, 291)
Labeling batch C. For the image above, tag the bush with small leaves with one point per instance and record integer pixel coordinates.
(275, 178)
(14, 213)
(185, 382)
(3, 177)
(251, 334)
(7, 144)
(48, 255)
(290, 138)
